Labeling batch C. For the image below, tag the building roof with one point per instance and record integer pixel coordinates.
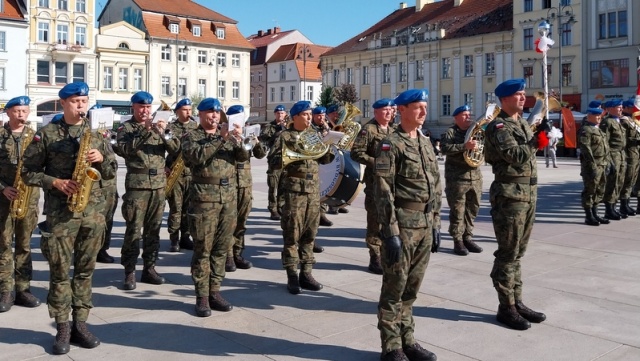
(294, 52)
(11, 11)
(183, 8)
(472, 17)
(264, 38)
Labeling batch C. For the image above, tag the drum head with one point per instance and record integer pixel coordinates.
(340, 180)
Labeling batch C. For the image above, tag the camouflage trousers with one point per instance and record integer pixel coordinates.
(631, 173)
(245, 202)
(373, 227)
(299, 223)
(142, 211)
(400, 286)
(615, 179)
(594, 184)
(111, 204)
(71, 238)
(463, 197)
(212, 226)
(178, 200)
(22, 229)
(512, 222)
(273, 181)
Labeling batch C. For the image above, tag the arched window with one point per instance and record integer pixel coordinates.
(123, 46)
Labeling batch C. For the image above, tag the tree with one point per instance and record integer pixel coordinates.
(326, 96)
(196, 98)
(346, 93)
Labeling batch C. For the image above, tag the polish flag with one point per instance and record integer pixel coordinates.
(543, 44)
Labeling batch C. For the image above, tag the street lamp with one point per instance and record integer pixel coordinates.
(560, 12)
(410, 31)
(303, 54)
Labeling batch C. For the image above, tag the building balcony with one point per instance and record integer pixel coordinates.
(66, 49)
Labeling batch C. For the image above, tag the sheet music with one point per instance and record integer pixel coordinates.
(252, 130)
(162, 115)
(332, 137)
(101, 118)
(236, 119)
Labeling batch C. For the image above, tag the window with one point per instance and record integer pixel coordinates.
(123, 46)
(546, 4)
(566, 74)
(251, 100)
(489, 64)
(165, 53)
(446, 68)
(174, 28)
(222, 59)
(61, 72)
(3, 41)
(235, 90)
(43, 3)
(609, 73)
(196, 30)
(78, 73)
(43, 32)
(123, 79)
(446, 105)
(165, 85)
(2, 72)
(565, 34)
(527, 73)
(220, 33)
(386, 73)
(62, 4)
(62, 33)
(349, 76)
(613, 24)
(309, 92)
(565, 2)
(528, 39)
(235, 60)
(283, 71)
(365, 75)
(336, 77)
(468, 100)
(419, 69)
(221, 89)
(182, 87)
(182, 54)
(43, 71)
(259, 99)
(81, 6)
(281, 93)
(272, 95)
(468, 65)
(365, 107)
(490, 97)
(202, 87)
(402, 71)
(259, 75)
(528, 5)
(292, 93)
(202, 56)
(137, 79)
(81, 35)
(252, 77)
(107, 81)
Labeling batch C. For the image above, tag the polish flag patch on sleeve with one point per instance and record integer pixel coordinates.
(37, 138)
(499, 125)
(385, 147)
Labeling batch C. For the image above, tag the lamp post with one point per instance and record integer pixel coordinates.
(410, 31)
(560, 12)
(303, 54)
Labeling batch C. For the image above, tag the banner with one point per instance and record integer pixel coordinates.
(569, 125)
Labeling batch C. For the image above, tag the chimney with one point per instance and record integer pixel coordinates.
(269, 31)
(276, 29)
(457, 3)
(421, 3)
(403, 5)
(260, 32)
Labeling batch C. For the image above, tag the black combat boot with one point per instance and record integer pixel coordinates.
(395, 355)
(202, 307)
(308, 282)
(417, 352)
(63, 337)
(80, 335)
(609, 212)
(241, 262)
(509, 316)
(229, 265)
(374, 265)
(638, 206)
(186, 242)
(175, 242)
(316, 248)
(594, 211)
(529, 314)
(104, 257)
(218, 303)
(589, 219)
(275, 216)
(343, 210)
(324, 221)
(293, 283)
(617, 211)
(149, 275)
(624, 203)
(6, 301)
(26, 299)
(472, 246)
(459, 248)
(129, 279)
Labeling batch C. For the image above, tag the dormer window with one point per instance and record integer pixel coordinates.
(174, 28)
(196, 30)
(219, 30)
(220, 33)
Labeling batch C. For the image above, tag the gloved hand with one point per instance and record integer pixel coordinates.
(544, 125)
(393, 246)
(435, 244)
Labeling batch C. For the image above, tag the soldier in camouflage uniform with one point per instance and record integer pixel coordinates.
(68, 237)
(143, 146)
(213, 209)
(245, 201)
(510, 148)
(319, 123)
(463, 183)
(301, 193)
(268, 137)
(594, 159)
(632, 158)
(363, 151)
(178, 197)
(616, 137)
(407, 198)
(12, 138)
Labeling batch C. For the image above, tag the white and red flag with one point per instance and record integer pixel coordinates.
(543, 44)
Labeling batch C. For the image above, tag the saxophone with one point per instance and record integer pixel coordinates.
(176, 170)
(20, 205)
(83, 174)
(349, 127)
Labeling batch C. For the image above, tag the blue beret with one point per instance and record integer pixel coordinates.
(333, 108)
(412, 96)
(595, 104)
(209, 104)
(21, 100)
(300, 107)
(142, 97)
(57, 118)
(509, 87)
(280, 108)
(319, 110)
(628, 103)
(183, 102)
(79, 88)
(594, 111)
(235, 109)
(460, 109)
(613, 103)
(384, 102)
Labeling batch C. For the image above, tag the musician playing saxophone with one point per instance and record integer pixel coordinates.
(178, 197)
(50, 162)
(463, 183)
(12, 139)
(301, 193)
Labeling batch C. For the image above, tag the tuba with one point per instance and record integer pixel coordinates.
(83, 174)
(176, 170)
(20, 205)
(539, 111)
(312, 148)
(475, 157)
(348, 126)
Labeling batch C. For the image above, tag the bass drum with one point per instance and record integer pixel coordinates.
(341, 180)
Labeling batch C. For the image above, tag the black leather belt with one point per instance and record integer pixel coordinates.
(521, 180)
(414, 206)
(211, 180)
(307, 176)
(148, 171)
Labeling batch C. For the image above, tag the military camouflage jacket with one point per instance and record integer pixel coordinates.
(10, 149)
(632, 132)
(178, 130)
(245, 180)
(406, 171)
(511, 150)
(365, 146)
(614, 132)
(144, 153)
(110, 185)
(269, 133)
(301, 176)
(594, 150)
(213, 165)
(455, 167)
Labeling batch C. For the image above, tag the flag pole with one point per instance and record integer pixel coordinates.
(543, 30)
